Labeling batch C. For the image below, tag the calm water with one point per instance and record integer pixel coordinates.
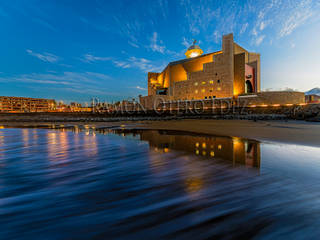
(106, 184)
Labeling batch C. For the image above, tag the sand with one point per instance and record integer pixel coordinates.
(292, 132)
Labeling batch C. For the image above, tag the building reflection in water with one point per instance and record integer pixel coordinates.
(236, 150)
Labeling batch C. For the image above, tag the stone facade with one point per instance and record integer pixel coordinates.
(232, 73)
(270, 98)
(214, 75)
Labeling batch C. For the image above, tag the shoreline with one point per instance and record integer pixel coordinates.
(289, 132)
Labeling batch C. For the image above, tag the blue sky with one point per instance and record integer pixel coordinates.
(74, 50)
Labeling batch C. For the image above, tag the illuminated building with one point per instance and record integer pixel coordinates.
(22, 104)
(230, 73)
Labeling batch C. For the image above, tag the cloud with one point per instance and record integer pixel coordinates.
(121, 64)
(155, 44)
(262, 25)
(186, 43)
(133, 44)
(259, 40)
(144, 65)
(46, 57)
(141, 88)
(298, 17)
(91, 58)
(244, 28)
(78, 82)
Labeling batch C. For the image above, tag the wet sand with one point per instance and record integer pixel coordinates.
(292, 132)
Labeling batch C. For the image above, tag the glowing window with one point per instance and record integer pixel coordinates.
(203, 83)
(204, 153)
(212, 153)
(203, 90)
(204, 145)
(219, 147)
(196, 91)
(197, 152)
(219, 88)
(211, 81)
(197, 144)
(196, 84)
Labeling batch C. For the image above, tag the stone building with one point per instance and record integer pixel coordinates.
(22, 104)
(229, 73)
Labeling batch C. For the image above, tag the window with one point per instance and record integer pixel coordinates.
(210, 90)
(218, 81)
(216, 74)
(203, 83)
(211, 81)
(196, 84)
(219, 88)
(203, 90)
(209, 97)
(205, 97)
(196, 91)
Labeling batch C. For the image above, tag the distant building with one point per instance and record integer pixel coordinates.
(230, 73)
(23, 105)
(313, 98)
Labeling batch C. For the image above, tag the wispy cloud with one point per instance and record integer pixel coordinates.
(141, 88)
(244, 28)
(298, 17)
(133, 44)
(143, 64)
(186, 43)
(81, 82)
(46, 57)
(91, 58)
(156, 44)
(259, 40)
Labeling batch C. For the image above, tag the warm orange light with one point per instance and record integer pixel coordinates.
(289, 104)
(212, 153)
(276, 105)
(193, 53)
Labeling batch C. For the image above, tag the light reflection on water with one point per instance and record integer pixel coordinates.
(135, 184)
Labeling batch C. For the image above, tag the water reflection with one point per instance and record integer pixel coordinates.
(236, 150)
(75, 183)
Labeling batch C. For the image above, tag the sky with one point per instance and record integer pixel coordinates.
(76, 50)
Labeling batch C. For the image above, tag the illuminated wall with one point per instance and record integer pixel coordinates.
(220, 74)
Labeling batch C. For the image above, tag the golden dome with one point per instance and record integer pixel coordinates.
(193, 51)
